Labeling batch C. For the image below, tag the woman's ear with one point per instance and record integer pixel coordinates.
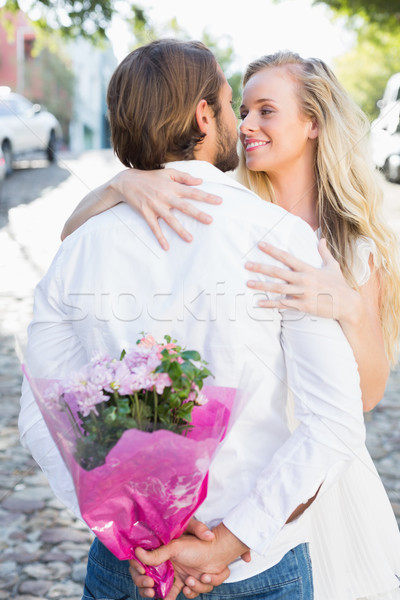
(204, 116)
(314, 130)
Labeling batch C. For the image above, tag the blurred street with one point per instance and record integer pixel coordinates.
(42, 548)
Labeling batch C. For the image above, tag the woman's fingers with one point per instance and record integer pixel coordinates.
(191, 210)
(283, 289)
(198, 195)
(284, 257)
(154, 225)
(182, 177)
(188, 192)
(272, 271)
(176, 225)
(292, 303)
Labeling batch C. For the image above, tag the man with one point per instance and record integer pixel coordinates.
(169, 101)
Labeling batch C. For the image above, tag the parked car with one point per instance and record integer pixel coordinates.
(385, 144)
(385, 131)
(25, 127)
(389, 101)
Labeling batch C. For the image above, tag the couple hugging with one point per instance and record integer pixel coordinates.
(285, 473)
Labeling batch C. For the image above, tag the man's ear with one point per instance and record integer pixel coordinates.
(204, 116)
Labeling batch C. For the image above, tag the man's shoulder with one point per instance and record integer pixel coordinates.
(118, 220)
(238, 201)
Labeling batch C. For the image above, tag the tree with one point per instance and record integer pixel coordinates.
(365, 69)
(225, 55)
(385, 14)
(144, 31)
(72, 18)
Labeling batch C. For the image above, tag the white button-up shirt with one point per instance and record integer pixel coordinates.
(110, 281)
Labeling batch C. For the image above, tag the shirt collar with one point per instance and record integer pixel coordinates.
(207, 172)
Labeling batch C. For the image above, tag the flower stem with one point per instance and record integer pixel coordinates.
(137, 403)
(155, 407)
(72, 420)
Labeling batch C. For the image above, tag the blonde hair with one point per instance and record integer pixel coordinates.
(349, 196)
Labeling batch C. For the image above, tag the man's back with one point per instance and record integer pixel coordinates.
(110, 282)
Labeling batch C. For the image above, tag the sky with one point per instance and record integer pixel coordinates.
(256, 27)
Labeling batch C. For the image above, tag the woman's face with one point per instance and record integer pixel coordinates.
(274, 133)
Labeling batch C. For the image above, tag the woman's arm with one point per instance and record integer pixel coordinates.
(325, 293)
(152, 194)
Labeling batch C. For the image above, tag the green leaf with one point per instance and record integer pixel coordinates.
(174, 371)
(190, 355)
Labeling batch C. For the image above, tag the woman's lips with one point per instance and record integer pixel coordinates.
(254, 144)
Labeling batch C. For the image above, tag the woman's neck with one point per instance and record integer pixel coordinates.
(297, 193)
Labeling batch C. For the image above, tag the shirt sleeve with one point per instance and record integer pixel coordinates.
(50, 340)
(322, 375)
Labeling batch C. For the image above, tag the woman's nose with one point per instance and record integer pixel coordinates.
(247, 125)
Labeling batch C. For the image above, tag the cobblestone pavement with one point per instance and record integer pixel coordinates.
(43, 548)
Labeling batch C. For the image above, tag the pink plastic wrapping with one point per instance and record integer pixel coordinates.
(151, 483)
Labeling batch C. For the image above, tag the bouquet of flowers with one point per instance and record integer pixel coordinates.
(137, 435)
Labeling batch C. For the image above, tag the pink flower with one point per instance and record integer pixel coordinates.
(139, 355)
(101, 375)
(163, 380)
(78, 381)
(122, 379)
(101, 359)
(153, 361)
(87, 400)
(52, 396)
(190, 398)
(147, 342)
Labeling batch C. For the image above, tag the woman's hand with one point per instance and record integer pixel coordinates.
(321, 292)
(155, 193)
(325, 293)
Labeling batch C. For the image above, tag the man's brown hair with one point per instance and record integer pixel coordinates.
(152, 98)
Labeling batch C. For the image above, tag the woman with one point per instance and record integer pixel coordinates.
(303, 147)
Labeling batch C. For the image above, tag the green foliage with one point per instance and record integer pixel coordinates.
(72, 18)
(144, 31)
(145, 409)
(365, 69)
(385, 14)
(89, 19)
(225, 55)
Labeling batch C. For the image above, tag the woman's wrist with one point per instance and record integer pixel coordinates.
(353, 315)
(115, 187)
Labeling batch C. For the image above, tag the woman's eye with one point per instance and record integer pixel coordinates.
(266, 111)
(242, 116)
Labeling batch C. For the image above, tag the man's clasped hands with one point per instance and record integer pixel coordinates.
(200, 558)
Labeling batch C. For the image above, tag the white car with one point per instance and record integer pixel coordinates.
(25, 127)
(385, 143)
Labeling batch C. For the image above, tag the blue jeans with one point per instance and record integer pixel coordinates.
(108, 578)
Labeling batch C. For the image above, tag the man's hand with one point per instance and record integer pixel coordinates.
(193, 587)
(193, 559)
